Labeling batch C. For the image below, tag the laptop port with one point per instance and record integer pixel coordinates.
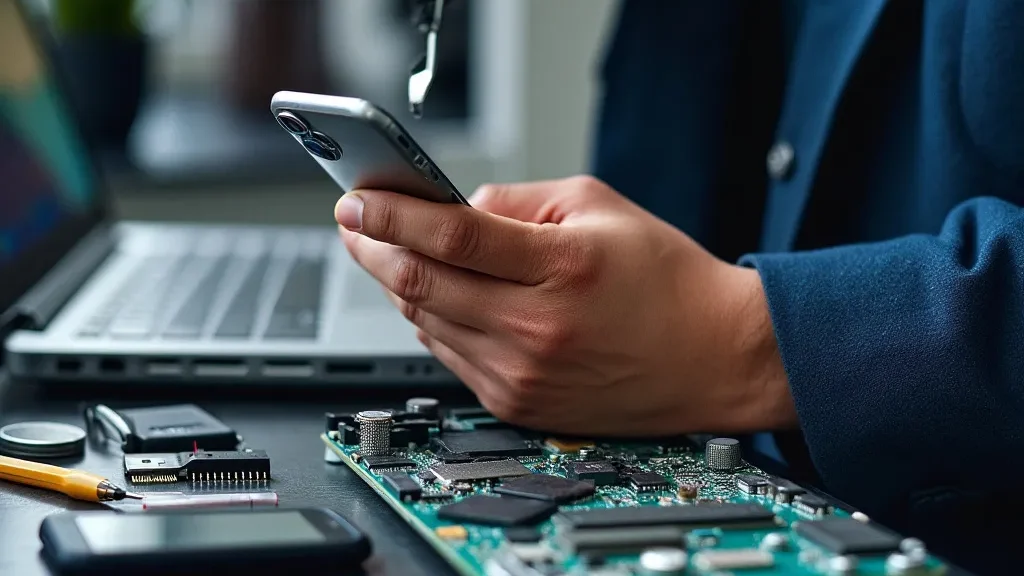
(220, 369)
(111, 365)
(163, 368)
(69, 366)
(288, 369)
(337, 368)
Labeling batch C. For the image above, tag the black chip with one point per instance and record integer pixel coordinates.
(714, 514)
(600, 472)
(810, 504)
(751, 484)
(426, 475)
(784, 489)
(436, 497)
(403, 487)
(505, 443)
(522, 534)
(387, 462)
(546, 487)
(648, 481)
(497, 511)
(848, 536)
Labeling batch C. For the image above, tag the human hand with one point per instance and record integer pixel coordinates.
(567, 308)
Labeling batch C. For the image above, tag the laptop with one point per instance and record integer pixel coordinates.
(84, 297)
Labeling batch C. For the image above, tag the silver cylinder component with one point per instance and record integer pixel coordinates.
(723, 454)
(427, 407)
(374, 432)
(663, 562)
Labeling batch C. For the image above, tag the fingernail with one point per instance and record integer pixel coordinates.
(349, 212)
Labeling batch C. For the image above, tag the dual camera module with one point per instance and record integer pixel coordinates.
(316, 143)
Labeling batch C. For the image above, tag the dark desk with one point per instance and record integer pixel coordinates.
(284, 423)
(287, 427)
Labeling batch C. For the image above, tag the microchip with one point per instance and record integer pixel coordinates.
(478, 471)
(621, 540)
(426, 475)
(783, 489)
(848, 536)
(751, 484)
(436, 496)
(403, 487)
(546, 487)
(497, 511)
(504, 443)
(198, 466)
(600, 472)
(810, 504)
(724, 515)
(738, 559)
(385, 462)
(648, 481)
(522, 534)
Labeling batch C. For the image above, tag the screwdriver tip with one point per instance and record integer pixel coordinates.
(133, 495)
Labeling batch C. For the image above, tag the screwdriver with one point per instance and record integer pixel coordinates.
(73, 483)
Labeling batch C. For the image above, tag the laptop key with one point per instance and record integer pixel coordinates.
(138, 318)
(241, 314)
(190, 318)
(296, 313)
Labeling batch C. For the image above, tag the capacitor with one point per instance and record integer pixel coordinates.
(902, 563)
(839, 565)
(723, 454)
(426, 407)
(374, 432)
(663, 562)
(774, 542)
(913, 547)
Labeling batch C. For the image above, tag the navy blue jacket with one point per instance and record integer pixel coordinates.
(891, 248)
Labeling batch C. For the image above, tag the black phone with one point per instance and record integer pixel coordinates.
(296, 541)
(360, 145)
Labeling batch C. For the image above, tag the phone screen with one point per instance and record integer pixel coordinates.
(133, 533)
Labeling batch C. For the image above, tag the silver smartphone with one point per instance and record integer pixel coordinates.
(361, 146)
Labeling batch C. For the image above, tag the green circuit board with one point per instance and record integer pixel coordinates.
(741, 521)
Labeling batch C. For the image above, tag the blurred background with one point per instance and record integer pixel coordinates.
(176, 93)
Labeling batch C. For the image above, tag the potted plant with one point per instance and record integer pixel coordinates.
(102, 55)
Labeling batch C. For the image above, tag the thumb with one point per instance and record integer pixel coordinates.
(542, 201)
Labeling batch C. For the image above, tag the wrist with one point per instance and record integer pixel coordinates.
(766, 402)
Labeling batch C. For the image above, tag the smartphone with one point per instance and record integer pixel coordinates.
(361, 146)
(296, 541)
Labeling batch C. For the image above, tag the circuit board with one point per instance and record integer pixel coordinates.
(499, 501)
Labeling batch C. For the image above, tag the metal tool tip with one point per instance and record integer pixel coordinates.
(133, 495)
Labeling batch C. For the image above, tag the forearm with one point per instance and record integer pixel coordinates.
(902, 356)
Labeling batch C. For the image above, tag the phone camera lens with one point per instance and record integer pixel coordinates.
(292, 123)
(321, 145)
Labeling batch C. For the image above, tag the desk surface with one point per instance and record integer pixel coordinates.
(286, 424)
(288, 430)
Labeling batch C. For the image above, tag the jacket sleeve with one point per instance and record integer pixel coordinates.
(906, 360)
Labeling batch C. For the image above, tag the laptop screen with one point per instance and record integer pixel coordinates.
(47, 184)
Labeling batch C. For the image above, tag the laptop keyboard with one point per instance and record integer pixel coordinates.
(196, 296)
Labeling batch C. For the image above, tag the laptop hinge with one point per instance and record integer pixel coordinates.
(37, 307)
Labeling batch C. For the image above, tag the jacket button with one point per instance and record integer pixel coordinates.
(780, 160)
